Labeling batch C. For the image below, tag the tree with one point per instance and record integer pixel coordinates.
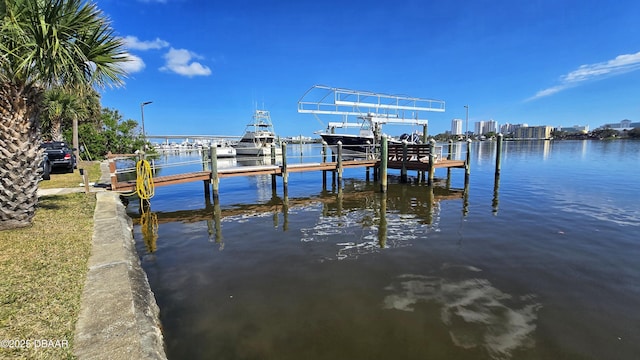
(606, 133)
(634, 133)
(60, 107)
(44, 43)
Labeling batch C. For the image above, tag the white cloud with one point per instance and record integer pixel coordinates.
(619, 65)
(180, 62)
(133, 64)
(133, 43)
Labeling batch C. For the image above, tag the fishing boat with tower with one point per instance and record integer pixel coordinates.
(259, 136)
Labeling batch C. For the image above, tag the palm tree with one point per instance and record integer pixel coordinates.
(60, 107)
(44, 43)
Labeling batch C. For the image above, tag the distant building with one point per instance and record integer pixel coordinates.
(491, 126)
(512, 128)
(484, 127)
(456, 127)
(533, 132)
(506, 128)
(575, 129)
(625, 124)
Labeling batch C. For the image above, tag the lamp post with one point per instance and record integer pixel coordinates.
(144, 135)
(466, 132)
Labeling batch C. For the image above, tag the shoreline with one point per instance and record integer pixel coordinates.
(119, 317)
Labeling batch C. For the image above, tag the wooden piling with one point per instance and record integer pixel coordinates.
(85, 179)
(403, 170)
(324, 160)
(432, 158)
(467, 164)
(215, 180)
(384, 159)
(112, 174)
(499, 154)
(285, 174)
(273, 176)
(449, 157)
(339, 166)
(206, 164)
(422, 174)
(496, 188)
(333, 173)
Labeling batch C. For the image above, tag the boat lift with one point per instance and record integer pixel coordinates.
(374, 108)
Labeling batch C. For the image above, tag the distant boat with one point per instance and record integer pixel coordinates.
(259, 136)
(223, 149)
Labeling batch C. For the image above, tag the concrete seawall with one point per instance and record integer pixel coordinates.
(119, 317)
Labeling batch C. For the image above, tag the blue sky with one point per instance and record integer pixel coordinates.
(206, 65)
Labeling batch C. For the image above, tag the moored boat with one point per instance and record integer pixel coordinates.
(259, 137)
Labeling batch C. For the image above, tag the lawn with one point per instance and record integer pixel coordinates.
(66, 180)
(43, 269)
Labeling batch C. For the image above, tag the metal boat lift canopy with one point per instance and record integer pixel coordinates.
(375, 107)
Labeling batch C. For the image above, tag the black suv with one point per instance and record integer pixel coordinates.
(58, 155)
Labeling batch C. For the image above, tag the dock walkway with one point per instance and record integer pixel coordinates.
(403, 157)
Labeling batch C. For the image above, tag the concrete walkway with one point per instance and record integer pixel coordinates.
(62, 191)
(119, 317)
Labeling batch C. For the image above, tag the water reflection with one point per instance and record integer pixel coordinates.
(370, 220)
(496, 189)
(477, 314)
(149, 229)
(373, 221)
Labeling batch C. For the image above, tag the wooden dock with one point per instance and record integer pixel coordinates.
(277, 170)
(404, 157)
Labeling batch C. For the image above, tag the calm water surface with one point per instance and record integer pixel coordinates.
(543, 264)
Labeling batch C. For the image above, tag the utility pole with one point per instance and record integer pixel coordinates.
(144, 135)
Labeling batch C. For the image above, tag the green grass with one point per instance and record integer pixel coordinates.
(43, 269)
(72, 180)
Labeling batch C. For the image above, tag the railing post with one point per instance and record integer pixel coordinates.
(215, 180)
(339, 164)
(384, 159)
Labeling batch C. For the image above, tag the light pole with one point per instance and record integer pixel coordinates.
(466, 132)
(144, 135)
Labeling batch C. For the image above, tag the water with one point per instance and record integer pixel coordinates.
(542, 264)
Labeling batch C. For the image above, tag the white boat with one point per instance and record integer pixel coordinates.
(259, 137)
(224, 149)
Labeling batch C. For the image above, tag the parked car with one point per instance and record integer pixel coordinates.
(58, 155)
(46, 167)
